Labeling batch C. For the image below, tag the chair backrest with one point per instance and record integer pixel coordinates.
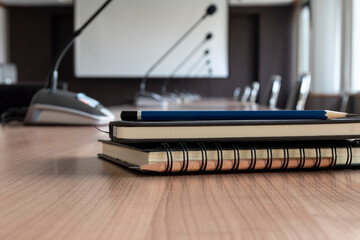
(254, 91)
(245, 94)
(298, 95)
(236, 94)
(273, 90)
(344, 102)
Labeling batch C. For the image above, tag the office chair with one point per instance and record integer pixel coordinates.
(236, 94)
(272, 92)
(254, 92)
(298, 95)
(344, 102)
(245, 94)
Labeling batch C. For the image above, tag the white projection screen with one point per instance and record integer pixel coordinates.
(130, 35)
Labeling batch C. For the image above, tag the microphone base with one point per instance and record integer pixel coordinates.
(190, 97)
(150, 99)
(66, 108)
(172, 98)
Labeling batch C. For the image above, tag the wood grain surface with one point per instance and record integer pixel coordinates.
(52, 186)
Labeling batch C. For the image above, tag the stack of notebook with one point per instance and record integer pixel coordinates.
(233, 145)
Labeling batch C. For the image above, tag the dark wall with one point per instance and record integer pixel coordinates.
(259, 46)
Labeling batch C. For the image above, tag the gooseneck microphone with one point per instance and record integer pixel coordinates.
(210, 71)
(53, 72)
(188, 96)
(202, 68)
(197, 63)
(183, 62)
(209, 11)
(58, 107)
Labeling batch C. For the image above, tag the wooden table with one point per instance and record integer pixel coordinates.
(53, 186)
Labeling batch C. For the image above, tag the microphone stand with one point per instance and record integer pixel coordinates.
(197, 63)
(187, 97)
(52, 77)
(148, 98)
(210, 71)
(201, 69)
(52, 99)
(195, 96)
(181, 64)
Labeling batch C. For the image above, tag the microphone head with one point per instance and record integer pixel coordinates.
(211, 9)
(208, 36)
(206, 52)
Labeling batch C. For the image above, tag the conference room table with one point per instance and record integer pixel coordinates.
(53, 186)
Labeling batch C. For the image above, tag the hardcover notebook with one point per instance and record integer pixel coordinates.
(232, 156)
(227, 130)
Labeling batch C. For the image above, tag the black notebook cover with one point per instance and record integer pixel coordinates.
(335, 129)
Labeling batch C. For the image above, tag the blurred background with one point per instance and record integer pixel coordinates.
(253, 41)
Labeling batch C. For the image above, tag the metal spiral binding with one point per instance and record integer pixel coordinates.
(170, 160)
(236, 161)
(220, 157)
(269, 158)
(253, 159)
(286, 158)
(185, 151)
(302, 158)
(203, 157)
(269, 150)
(334, 157)
(349, 155)
(318, 157)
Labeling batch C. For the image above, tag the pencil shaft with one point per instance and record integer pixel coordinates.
(227, 115)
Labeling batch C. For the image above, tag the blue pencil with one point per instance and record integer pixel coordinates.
(230, 115)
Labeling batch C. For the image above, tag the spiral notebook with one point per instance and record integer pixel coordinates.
(232, 156)
(232, 130)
